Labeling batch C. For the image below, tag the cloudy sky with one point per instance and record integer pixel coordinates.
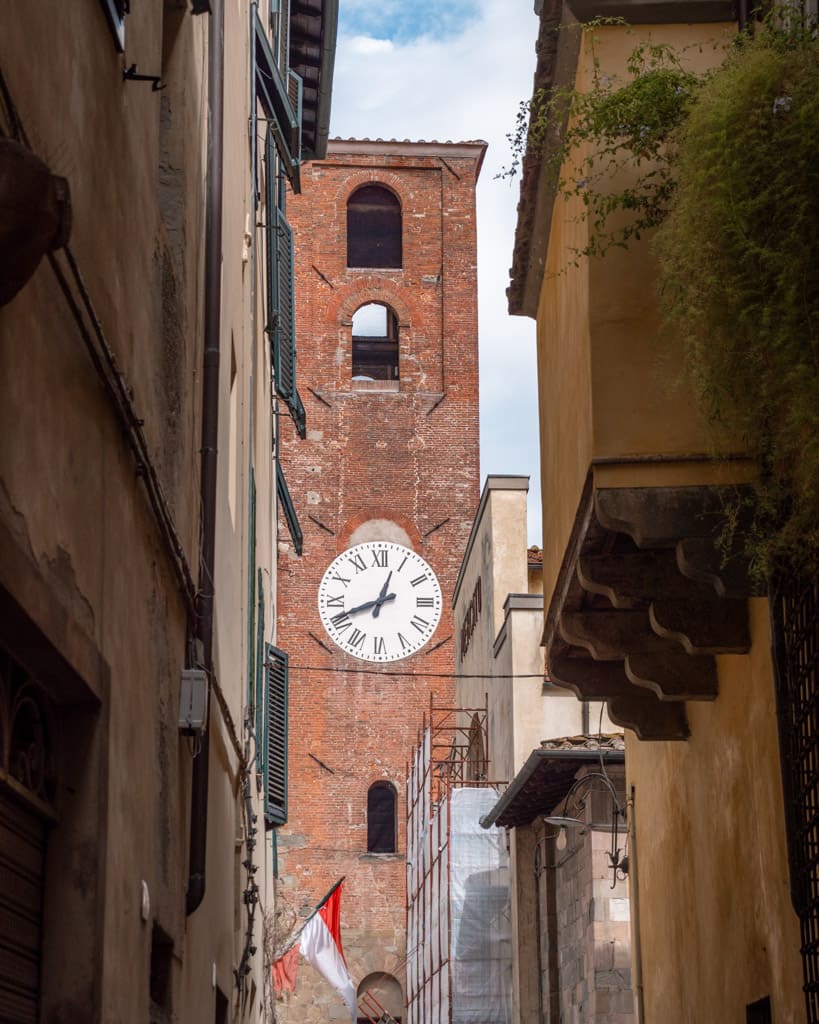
(457, 70)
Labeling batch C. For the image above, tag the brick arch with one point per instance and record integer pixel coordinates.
(372, 288)
(387, 990)
(370, 176)
(374, 513)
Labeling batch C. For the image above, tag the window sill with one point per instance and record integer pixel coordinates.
(382, 856)
(376, 385)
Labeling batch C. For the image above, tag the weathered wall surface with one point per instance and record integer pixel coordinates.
(598, 330)
(710, 835)
(397, 460)
(83, 564)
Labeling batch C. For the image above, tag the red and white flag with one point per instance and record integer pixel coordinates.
(319, 942)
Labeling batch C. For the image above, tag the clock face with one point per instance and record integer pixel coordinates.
(379, 601)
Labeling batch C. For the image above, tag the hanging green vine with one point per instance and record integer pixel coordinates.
(739, 275)
(619, 124)
(725, 166)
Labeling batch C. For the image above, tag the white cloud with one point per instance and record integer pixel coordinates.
(467, 86)
(363, 46)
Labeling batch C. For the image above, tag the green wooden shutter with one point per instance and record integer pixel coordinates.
(281, 312)
(251, 581)
(260, 659)
(289, 509)
(275, 738)
(281, 100)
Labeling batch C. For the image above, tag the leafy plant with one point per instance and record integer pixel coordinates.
(726, 166)
(615, 126)
(739, 274)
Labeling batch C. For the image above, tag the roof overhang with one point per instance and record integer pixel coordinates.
(543, 782)
(313, 30)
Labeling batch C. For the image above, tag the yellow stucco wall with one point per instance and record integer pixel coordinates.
(717, 929)
(609, 386)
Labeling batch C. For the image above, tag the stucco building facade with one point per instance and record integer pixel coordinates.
(138, 496)
(639, 607)
(564, 928)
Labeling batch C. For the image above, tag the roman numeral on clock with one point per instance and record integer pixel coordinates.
(358, 563)
(379, 647)
(419, 623)
(380, 559)
(418, 580)
(335, 602)
(341, 622)
(340, 579)
(424, 602)
(357, 638)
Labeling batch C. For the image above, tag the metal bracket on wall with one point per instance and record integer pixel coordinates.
(130, 75)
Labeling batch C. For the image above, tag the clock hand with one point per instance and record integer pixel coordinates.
(362, 607)
(380, 601)
(371, 604)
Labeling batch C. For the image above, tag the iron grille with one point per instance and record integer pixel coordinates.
(795, 611)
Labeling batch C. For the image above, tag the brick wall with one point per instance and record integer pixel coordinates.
(407, 457)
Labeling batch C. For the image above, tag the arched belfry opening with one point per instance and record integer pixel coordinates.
(375, 342)
(374, 228)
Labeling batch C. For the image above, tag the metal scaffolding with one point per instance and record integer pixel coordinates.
(458, 910)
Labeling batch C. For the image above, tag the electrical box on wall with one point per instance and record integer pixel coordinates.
(193, 701)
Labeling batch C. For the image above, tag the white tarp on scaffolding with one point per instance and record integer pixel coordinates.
(459, 967)
(481, 939)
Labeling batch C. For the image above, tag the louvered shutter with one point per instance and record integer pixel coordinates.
(281, 313)
(289, 509)
(284, 342)
(275, 767)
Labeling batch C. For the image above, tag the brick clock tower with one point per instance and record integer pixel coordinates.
(385, 486)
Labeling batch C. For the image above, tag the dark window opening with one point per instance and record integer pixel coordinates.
(375, 343)
(373, 228)
(759, 1012)
(160, 980)
(220, 1015)
(381, 818)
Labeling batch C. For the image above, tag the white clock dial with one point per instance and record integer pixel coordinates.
(379, 601)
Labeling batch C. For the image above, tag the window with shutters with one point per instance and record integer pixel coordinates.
(286, 503)
(381, 832)
(374, 228)
(115, 11)
(279, 93)
(281, 319)
(275, 736)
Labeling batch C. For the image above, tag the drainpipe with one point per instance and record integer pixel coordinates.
(210, 425)
(634, 896)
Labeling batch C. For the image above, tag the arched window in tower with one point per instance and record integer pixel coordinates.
(381, 832)
(374, 228)
(375, 343)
